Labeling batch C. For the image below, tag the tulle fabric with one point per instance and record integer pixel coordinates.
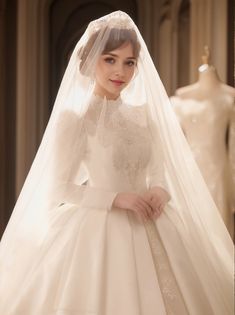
(49, 230)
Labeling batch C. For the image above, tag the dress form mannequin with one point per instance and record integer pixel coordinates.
(206, 112)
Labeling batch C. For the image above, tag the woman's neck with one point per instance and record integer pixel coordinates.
(208, 77)
(105, 94)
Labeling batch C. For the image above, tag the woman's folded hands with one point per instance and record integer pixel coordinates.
(148, 205)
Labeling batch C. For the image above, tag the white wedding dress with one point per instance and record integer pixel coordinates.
(205, 124)
(99, 260)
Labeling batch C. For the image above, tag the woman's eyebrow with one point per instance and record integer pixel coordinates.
(114, 55)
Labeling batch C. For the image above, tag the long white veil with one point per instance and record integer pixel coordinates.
(195, 218)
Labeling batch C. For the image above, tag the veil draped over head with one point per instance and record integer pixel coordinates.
(196, 218)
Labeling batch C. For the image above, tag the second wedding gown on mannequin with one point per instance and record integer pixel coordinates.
(206, 112)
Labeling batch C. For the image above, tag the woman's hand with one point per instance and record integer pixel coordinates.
(140, 204)
(158, 199)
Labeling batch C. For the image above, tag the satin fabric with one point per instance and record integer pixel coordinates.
(101, 260)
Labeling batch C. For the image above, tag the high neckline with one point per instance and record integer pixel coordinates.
(100, 99)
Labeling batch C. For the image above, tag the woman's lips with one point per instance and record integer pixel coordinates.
(117, 82)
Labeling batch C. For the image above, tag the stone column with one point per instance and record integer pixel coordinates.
(7, 108)
(208, 27)
(32, 84)
(2, 117)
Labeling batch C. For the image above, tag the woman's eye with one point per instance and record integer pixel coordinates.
(109, 60)
(130, 63)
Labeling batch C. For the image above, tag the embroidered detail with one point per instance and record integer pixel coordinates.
(124, 128)
(172, 296)
(115, 19)
(131, 152)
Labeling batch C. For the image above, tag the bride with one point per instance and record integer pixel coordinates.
(114, 217)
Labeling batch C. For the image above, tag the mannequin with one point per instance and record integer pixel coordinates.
(205, 110)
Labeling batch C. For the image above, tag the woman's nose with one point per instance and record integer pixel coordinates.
(119, 70)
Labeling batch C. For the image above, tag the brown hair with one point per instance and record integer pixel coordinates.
(117, 37)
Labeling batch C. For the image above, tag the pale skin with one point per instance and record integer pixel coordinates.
(114, 71)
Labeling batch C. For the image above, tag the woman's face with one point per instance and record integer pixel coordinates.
(114, 71)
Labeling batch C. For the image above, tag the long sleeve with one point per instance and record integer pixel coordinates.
(89, 197)
(156, 170)
(69, 171)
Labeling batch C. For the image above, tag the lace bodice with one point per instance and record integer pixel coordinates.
(119, 147)
(116, 149)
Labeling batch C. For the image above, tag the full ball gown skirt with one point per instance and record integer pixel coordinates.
(100, 260)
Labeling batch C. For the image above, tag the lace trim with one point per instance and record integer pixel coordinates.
(131, 153)
(117, 19)
(173, 299)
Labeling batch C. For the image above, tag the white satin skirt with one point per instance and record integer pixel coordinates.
(98, 262)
